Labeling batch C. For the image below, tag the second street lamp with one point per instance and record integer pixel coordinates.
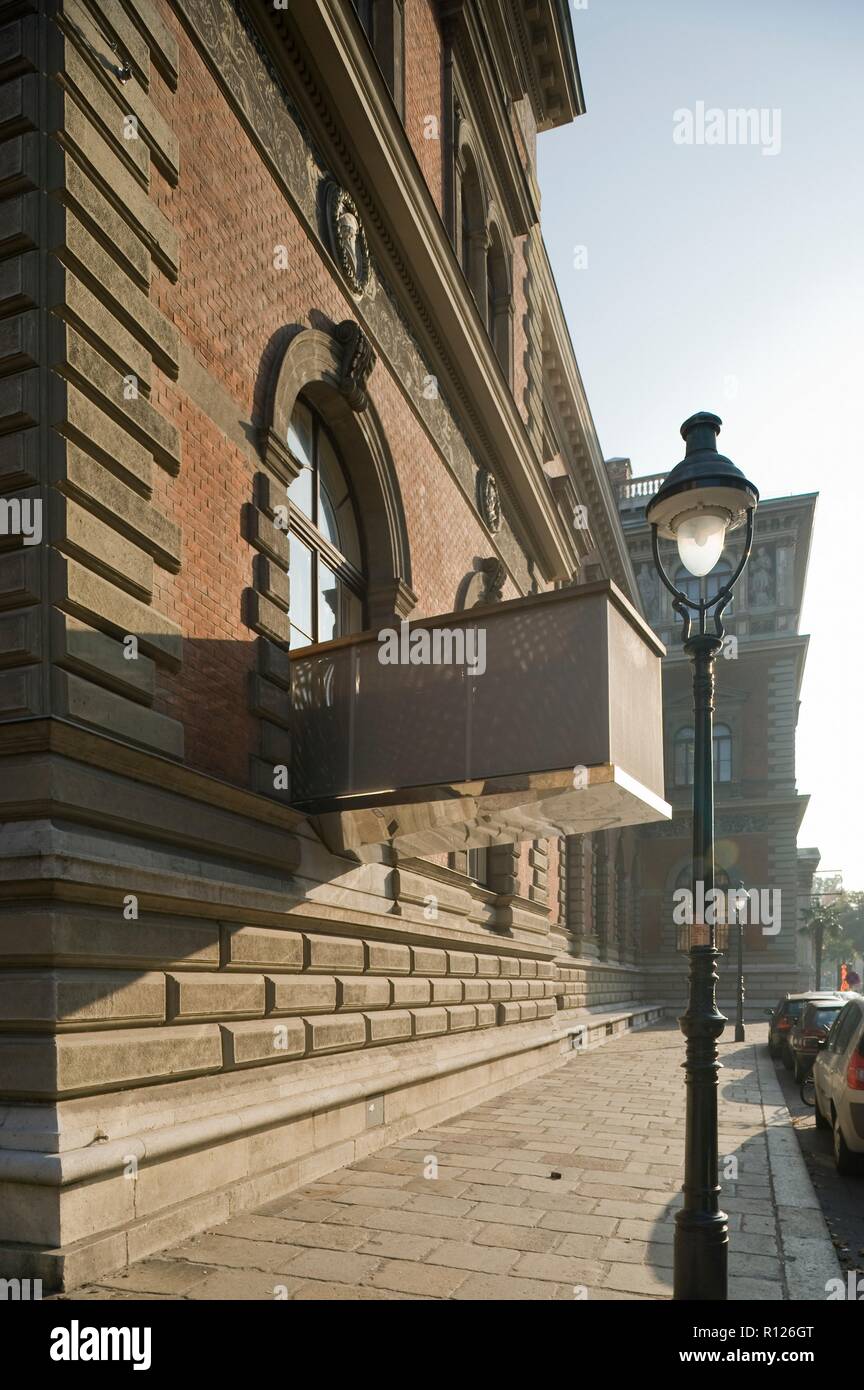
(703, 498)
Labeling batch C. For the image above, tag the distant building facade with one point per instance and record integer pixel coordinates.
(758, 807)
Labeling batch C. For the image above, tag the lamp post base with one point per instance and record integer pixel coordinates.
(701, 1257)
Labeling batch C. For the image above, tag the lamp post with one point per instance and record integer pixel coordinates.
(703, 497)
(740, 1035)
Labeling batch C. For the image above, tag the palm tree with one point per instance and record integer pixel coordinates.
(825, 927)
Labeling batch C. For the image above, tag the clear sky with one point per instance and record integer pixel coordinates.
(716, 277)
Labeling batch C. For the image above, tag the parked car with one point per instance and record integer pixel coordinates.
(811, 1029)
(838, 1074)
(786, 1015)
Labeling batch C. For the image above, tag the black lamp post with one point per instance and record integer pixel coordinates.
(703, 497)
(740, 895)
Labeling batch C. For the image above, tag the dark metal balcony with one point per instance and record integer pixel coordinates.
(560, 733)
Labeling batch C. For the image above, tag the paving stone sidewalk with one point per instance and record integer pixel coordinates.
(496, 1223)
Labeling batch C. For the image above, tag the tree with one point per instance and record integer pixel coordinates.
(825, 926)
(851, 916)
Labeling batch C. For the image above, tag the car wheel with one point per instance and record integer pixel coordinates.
(787, 1059)
(798, 1071)
(821, 1122)
(772, 1051)
(848, 1163)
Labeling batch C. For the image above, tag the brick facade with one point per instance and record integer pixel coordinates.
(173, 927)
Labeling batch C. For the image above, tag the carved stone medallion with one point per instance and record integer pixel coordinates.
(347, 237)
(488, 499)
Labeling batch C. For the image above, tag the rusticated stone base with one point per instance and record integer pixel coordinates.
(190, 1155)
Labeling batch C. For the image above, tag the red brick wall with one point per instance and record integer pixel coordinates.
(228, 304)
(423, 73)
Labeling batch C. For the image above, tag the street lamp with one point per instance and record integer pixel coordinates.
(703, 497)
(739, 894)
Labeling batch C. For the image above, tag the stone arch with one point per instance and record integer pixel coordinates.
(332, 371)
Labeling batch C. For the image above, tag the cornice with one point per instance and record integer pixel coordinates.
(500, 148)
(559, 362)
(544, 38)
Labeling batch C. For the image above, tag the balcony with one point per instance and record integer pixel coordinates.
(554, 728)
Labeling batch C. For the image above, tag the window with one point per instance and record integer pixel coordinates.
(472, 229)
(478, 867)
(844, 1029)
(688, 584)
(722, 753)
(598, 885)
(683, 758)
(366, 14)
(498, 299)
(696, 589)
(683, 750)
(716, 580)
(326, 575)
(384, 25)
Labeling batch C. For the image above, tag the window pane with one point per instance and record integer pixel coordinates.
(300, 491)
(327, 516)
(300, 574)
(349, 541)
(328, 603)
(300, 444)
(332, 490)
(300, 433)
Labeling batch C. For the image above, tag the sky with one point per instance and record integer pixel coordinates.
(716, 276)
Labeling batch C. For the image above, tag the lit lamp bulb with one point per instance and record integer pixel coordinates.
(700, 541)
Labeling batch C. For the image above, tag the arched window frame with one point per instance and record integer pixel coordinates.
(331, 370)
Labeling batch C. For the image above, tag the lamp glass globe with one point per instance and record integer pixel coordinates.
(700, 541)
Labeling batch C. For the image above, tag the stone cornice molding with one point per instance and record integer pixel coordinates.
(476, 82)
(583, 445)
(544, 36)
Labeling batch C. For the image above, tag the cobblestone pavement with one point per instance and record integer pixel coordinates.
(565, 1187)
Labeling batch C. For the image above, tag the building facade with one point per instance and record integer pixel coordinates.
(758, 807)
(284, 369)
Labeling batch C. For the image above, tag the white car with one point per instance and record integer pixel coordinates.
(838, 1073)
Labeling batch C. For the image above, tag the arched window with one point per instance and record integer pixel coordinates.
(683, 746)
(697, 589)
(722, 753)
(716, 580)
(326, 572)
(472, 227)
(498, 299)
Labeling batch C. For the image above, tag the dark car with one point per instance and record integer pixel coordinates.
(811, 1030)
(787, 1014)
